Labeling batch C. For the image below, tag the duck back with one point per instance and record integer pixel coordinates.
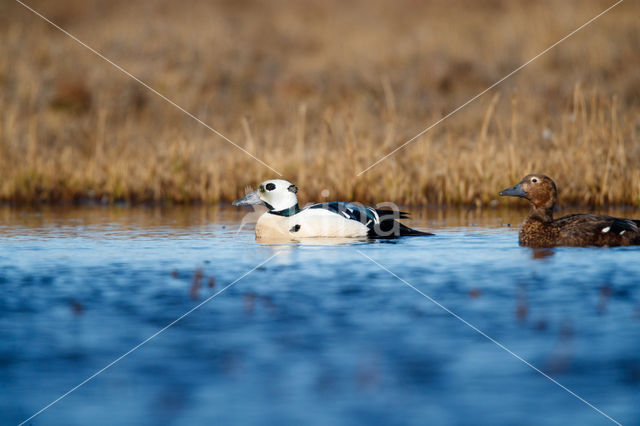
(580, 230)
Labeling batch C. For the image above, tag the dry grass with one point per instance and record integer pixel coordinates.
(318, 90)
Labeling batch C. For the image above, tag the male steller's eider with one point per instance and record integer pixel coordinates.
(285, 219)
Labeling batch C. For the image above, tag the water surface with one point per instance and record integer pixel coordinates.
(319, 334)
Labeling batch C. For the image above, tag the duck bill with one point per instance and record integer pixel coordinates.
(514, 191)
(250, 199)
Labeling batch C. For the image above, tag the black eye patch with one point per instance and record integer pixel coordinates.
(293, 189)
(270, 187)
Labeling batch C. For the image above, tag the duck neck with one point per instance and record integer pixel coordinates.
(286, 212)
(542, 214)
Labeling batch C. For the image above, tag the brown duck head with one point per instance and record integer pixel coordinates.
(540, 190)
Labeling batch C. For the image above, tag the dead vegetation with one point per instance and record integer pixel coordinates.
(319, 91)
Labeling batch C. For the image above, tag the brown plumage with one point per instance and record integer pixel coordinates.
(540, 229)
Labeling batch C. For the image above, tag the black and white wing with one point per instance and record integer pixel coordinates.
(381, 222)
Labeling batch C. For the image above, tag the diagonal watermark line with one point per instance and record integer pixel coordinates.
(151, 89)
(145, 341)
(490, 87)
(482, 333)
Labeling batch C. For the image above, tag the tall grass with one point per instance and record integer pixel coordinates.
(319, 91)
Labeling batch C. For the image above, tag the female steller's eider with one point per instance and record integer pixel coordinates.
(540, 229)
(285, 219)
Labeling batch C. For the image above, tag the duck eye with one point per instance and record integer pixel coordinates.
(534, 180)
(270, 187)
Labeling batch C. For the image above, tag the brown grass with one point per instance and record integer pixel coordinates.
(319, 91)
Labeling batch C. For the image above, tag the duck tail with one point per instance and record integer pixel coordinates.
(405, 231)
(393, 229)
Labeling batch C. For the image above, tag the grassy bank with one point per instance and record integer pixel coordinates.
(319, 91)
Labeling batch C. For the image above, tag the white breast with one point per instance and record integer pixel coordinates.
(309, 223)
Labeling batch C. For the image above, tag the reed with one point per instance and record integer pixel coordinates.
(319, 91)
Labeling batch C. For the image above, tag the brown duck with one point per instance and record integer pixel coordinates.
(540, 229)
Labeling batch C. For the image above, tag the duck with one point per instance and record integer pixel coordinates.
(336, 219)
(541, 230)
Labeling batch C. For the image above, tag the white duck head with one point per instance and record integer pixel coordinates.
(275, 194)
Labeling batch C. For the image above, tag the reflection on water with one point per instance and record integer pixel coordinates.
(319, 334)
(542, 253)
(313, 241)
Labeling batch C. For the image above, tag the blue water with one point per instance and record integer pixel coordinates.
(319, 334)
